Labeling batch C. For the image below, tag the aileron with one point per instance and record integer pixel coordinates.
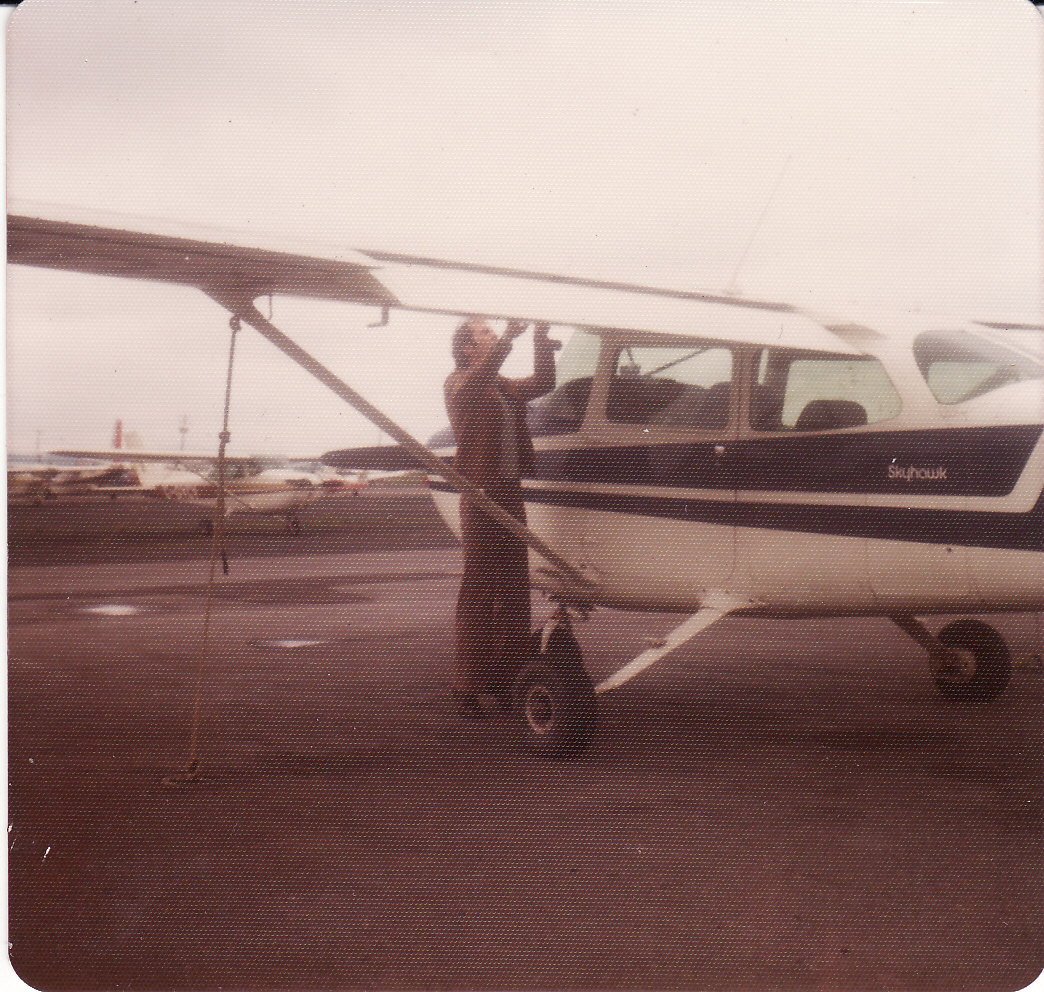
(210, 266)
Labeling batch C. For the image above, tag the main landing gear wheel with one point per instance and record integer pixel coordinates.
(992, 665)
(555, 699)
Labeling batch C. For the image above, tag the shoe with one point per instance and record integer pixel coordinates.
(468, 705)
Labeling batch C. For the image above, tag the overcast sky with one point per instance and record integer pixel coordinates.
(892, 150)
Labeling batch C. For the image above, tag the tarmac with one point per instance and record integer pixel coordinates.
(778, 805)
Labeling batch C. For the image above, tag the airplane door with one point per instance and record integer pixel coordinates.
(652, 494)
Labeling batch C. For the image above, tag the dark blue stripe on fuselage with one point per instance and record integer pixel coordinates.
(1010, 531)
(974, 461)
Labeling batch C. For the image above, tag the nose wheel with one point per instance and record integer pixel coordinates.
(555, 698)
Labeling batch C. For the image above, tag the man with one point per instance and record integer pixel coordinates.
(488, 416)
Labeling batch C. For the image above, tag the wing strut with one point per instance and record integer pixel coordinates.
(246, 311)
(714, 608)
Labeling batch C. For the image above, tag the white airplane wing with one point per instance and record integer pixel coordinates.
(130, 455)
(239, 271)
(217, 268)
(1026, 339)
(67, 472)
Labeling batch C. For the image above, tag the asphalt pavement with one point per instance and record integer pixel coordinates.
(779, 805)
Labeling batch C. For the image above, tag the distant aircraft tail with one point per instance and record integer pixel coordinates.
(150, 475)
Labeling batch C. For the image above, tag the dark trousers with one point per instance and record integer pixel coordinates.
(492, 625)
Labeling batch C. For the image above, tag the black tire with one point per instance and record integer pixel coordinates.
(555, 700)
(992, 661)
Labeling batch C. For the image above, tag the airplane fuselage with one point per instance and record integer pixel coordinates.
(902, 504)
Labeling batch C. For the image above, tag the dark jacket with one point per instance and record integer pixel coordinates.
(477, 414)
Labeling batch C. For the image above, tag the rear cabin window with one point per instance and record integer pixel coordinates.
(562, 410)
(672, 388)
(958, 366)
(808, 391)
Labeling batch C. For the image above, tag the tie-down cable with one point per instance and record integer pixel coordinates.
(191, 769)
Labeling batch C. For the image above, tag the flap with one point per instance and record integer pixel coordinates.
(581, 303)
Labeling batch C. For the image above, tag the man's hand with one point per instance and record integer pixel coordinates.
(515, 328)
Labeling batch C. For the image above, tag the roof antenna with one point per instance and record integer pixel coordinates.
(732, 289)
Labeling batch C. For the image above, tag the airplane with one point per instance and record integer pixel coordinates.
(705, 454)
(253, 485)
(36, 480)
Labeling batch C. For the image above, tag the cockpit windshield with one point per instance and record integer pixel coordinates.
(959, 366)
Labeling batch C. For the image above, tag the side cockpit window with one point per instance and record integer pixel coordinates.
(673, 388)
(562, 410)
(959, 366)
(808, 391)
